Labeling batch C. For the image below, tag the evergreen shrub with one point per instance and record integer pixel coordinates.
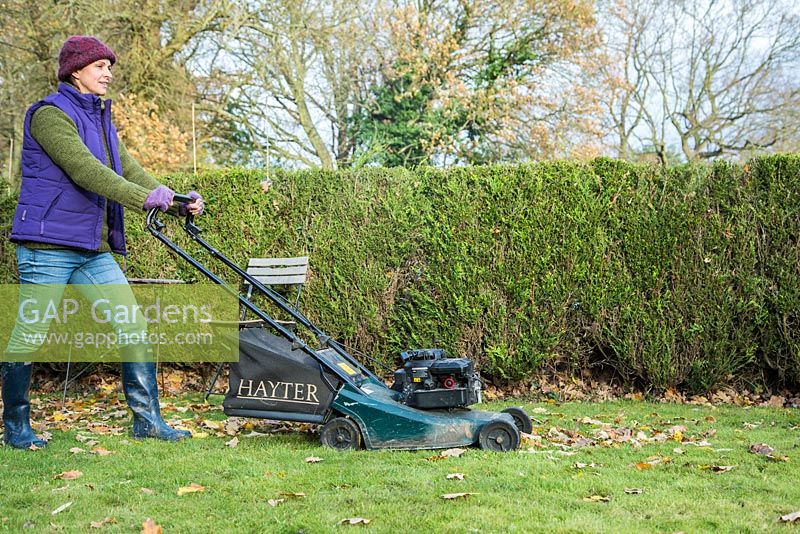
(686, 277)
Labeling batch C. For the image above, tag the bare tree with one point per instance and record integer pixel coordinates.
(481, 79)
(291, 77)
(714, 77)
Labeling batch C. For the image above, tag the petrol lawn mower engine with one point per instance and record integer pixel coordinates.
(429, 380)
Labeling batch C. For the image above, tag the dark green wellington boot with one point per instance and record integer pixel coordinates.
(16, 377)
(141, 393)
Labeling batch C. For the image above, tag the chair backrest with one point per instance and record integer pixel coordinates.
(280, 272)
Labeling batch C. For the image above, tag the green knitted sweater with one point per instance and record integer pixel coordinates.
(59, 138)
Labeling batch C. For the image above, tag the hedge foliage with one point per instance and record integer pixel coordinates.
(680, 278)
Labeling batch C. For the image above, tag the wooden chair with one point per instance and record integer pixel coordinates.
(274, 273)
(278, 272)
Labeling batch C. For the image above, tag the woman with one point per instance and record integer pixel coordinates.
(76, 178)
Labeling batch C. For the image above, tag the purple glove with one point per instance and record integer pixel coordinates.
(160, 197)
(195, 196)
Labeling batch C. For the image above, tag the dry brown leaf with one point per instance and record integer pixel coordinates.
(76, 450)
(313, 460)
(61, 508)
(790, 518)
(214, 425)
(103, 522)
(191, 488)
(100, 451)
(634, 491)
(451, 496)
(150, 527)
(761, 448)
(453, 453)
(299, 495)
(652, 461)
(355, 521)
(580, 465)
(69, 475)
(232, 443)
(597, 498)
(718, 468)
(275, 502)
(776, 401)
(777, 458)
(455, 476)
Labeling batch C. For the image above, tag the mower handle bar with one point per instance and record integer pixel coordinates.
(155, 227)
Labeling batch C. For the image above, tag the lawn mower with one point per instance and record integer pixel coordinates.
(279, 376)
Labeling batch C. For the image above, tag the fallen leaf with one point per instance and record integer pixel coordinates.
(69, 475)
(761, 448)
(150, 527)
(453, 453)
(354, 521)
(76, 450)
(580, 465)
(275, 502)
(100, 524)
(790, 518)
(313, 459)
(776, 401)
(299, 495)
(232, 443)
(61, 508)
(634, 491)
(100, 451)
(199, 435)
(597, 498)
(191, 488)
(652, 461)
(590, 421)
(717, 468)
(777, 458)
(214, 425)
(458, 476)
(451, 496)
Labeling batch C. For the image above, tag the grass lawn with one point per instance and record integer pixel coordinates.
(621, 466)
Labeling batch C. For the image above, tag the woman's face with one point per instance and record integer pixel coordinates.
(94, 77)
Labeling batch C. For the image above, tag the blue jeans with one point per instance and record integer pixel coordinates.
(90, 271)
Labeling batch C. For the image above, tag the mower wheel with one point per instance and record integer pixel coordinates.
(521, 419)
(341, 433)
(499, 436)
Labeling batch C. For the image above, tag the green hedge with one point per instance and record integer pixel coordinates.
(681, 278)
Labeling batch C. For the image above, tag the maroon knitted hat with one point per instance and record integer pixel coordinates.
(80, 50)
